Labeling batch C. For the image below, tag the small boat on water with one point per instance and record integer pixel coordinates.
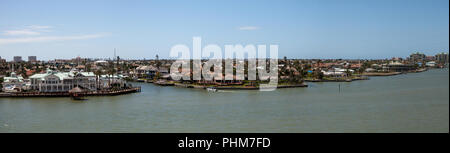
(77, 94)
(211, 89)
(78, 97)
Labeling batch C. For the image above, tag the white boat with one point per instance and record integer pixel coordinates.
(211, 89)
(11, 89)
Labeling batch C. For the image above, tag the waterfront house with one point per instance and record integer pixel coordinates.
(370, 70)
(334, 74)
(13, 83)
(431, 64)
(53, 81)
(356, 66)
(146, 71)
(108, 81)
(337, 72)
(398, 67)
(163, 71)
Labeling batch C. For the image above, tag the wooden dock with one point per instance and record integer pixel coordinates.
(66, 94)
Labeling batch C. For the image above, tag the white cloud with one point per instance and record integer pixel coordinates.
(29, 34)
(249, 28)
(48, 38)
(36, 27)
(20, 32)
(28, 30)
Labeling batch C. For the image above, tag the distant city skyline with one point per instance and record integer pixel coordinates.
(35, 58)
(326, 29)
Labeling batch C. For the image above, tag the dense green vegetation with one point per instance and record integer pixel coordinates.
(1, 81)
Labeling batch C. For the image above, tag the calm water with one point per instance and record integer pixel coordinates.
(416, 102)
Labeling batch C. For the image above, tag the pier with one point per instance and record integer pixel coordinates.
(66, 94)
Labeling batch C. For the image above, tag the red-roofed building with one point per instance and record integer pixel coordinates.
(355, 66)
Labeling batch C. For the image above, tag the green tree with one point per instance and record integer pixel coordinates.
(97, 73)
(349, 74)
(1, 82)
(320, 75)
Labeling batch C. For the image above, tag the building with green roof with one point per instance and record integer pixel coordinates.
(53, 81)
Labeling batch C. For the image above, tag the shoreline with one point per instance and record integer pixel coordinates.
(338, 80)
(364, 76)
(235, 88)
(67, 94)
(358, 77)
(381, 74)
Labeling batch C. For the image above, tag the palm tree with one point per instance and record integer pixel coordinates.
(157, 62)
(349, 74)
(1, 81)
(111, 73)
(318, 63)
(97, 73)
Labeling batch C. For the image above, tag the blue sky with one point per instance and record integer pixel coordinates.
(53, 29)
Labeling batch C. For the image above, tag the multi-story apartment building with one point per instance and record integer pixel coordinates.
(17, 58)
(32, 59)
(442, 58)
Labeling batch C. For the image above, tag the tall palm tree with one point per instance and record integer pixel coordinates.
(97, 73)
(157, 62)
(111, 73)
(348, 70)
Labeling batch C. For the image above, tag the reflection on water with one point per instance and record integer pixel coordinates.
(417, 102)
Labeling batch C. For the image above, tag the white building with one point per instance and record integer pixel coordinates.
(337, 72)
(107, 81)
(333, 73)
(13, 83)
(370, 70)
(431, 64)
(63, 81)
(145, 71)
